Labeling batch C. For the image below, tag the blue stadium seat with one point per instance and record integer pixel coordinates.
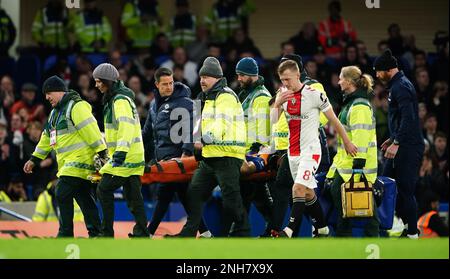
(161, 59)
(50, 62)
(97, 58)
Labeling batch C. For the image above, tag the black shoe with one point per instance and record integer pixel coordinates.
(171, 235)
(130, 235)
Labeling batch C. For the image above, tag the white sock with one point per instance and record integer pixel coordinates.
(413, 236)
(324, 230)
(288, 231)
(206, 234)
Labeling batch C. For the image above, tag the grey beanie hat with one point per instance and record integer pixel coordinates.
(106, 71)
(211, 68)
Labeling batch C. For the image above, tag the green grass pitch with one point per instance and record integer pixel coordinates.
(220, 248)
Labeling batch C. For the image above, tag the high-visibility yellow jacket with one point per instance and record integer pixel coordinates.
(223, 126)
(4, 197)
(78, 137)
(224, 20)
(255, 103)
(280, 130)
(123, 132)
(87, 31)
(182, 29)
(45, 211)
(141, 34)
(359, 122)
(51, 31)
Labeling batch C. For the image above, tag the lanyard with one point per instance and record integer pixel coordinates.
(53, 125)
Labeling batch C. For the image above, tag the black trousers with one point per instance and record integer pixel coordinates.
(166, 192)
(224, 172)
(67, 189)
(281, 190)
(404, 168)
(344, 225)
(133, 196)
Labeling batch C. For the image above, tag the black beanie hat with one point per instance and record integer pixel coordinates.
(385, 62)
(54, 84)
(295, 57)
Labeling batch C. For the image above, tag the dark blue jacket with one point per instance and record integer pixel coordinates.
(158, 124)
(403, 116)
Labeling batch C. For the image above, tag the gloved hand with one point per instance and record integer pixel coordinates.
(118, 158)
(358, 163)
(100, 159)
(259, 162)
(326, 191)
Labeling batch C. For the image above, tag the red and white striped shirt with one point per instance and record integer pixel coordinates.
(302, 113)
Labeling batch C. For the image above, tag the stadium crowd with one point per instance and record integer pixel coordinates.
(144, 45)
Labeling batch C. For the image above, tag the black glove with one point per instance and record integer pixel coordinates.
(103, 154)
(326, 191)
(118, 158)
(358, 163)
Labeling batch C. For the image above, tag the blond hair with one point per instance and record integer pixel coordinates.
(288, 65)
(355, 76)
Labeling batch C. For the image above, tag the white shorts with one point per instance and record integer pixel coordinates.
(304, 167)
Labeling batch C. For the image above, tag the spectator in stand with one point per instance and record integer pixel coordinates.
(161, 48)
(178, 74)
(410, 49)
(382, 46)
(440, 68)
(351, 58)
(438, 103)
(381, 106)
(285, 49)
(51, 28)
(439, 149)
(15, 192)
(395, 40)
(311, 68)
(335, 32)
(182, 25)
(306, 42)
(115, 58)
(135, 84)
(324, 70)
(197, 49)
(364, 59)
(227, 16)
(92, 28)
(35, 110)
(179, 57)
(423, 85)
(423, 111)
(334, 93)
(431, 179)
(430, 223)
(6, 164)
(430, 127)
(242, 43)
(142, 21)
(7, 33)
(420, 60)
(7, 96)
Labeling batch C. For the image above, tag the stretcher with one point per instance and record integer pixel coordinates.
(182, 170)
